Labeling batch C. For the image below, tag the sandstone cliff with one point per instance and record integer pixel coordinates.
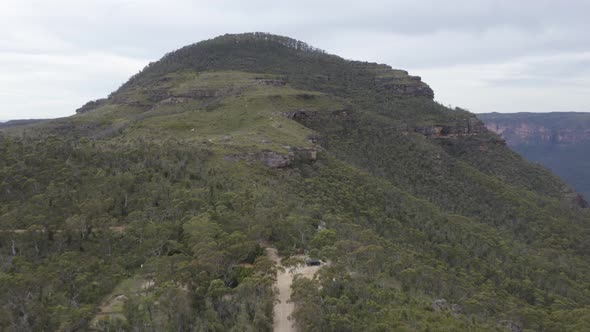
(527, 128)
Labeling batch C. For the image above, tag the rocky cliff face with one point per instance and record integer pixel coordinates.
(404, 85)
(470, 126)
(274, 159)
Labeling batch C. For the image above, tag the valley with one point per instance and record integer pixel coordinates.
(558, 141)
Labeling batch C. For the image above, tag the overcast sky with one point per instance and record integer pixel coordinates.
(503, 56)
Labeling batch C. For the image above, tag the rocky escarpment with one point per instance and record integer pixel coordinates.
(297, 154)
(304, 114)
(408, 86)
(399, 82)
(468, 127)
(151, 97)
(274, 159)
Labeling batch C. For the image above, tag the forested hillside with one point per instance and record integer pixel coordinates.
(149, 210)
(559, 141)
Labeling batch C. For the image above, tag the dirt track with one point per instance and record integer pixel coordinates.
(283, 309)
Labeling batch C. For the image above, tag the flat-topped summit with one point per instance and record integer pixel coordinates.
(301, 64)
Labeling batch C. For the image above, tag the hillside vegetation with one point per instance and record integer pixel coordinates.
(174, 184)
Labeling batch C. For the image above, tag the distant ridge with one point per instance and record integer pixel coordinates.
(13, 123)
(558, 140)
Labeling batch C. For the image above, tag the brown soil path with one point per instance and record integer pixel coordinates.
(284, 308)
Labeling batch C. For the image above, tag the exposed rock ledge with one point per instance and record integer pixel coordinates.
(303, 114)
(410, 86)
(472, 126)
(510, 326)
(279, 160)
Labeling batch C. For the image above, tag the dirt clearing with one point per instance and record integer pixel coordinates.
(284, 308)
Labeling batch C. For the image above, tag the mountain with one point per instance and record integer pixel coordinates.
(560, 141)
(152, 209)
(13, 123)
